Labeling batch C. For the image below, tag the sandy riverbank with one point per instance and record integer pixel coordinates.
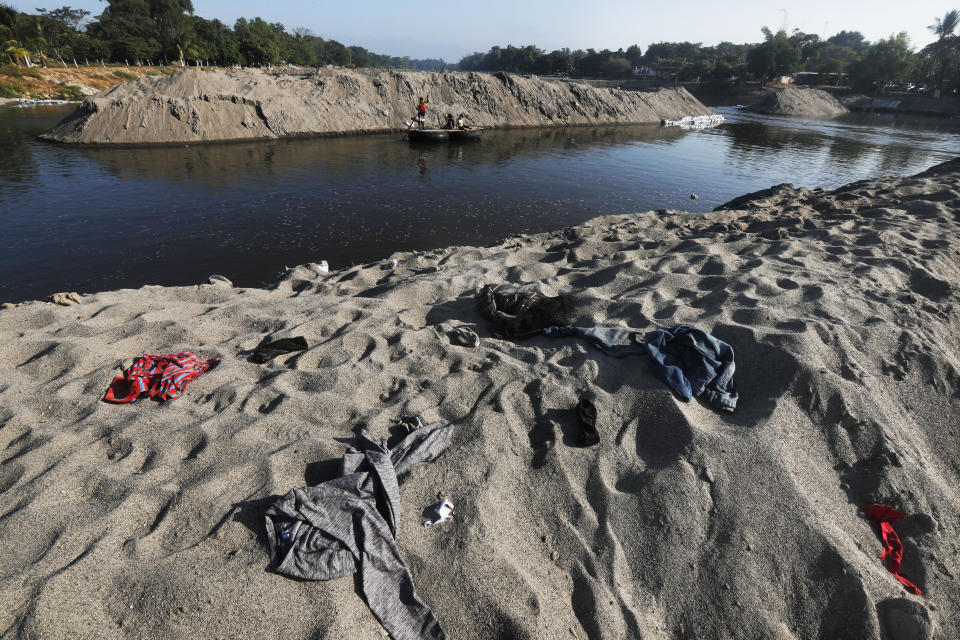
(147, 520)
(216, 105)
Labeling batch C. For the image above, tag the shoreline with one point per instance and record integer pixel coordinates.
(842, 308)
(192, 107)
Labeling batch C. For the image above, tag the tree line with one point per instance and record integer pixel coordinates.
(162, 31)
(156, 31)
(867, 66)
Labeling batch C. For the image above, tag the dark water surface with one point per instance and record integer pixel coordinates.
(96, 219)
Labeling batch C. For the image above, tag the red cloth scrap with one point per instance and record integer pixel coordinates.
(882, 515)
(163, 376)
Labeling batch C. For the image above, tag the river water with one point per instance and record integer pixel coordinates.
(95, 219)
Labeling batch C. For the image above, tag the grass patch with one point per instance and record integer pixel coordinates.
(123, 75)
(11, 88)
(71, 93)
(15, 71)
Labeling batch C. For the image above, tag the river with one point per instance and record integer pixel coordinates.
(85, 219)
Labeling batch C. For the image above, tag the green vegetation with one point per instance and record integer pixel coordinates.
(155, 32)
(166, 31)
(71, 92)
(123, 75)
(14, 71)
(869, 66)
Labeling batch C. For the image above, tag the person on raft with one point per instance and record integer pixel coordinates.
(450, 124)
(422, 111)
(461, 124)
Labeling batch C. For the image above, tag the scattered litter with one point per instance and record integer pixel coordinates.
(409, 423)
(218, 279)
(694, 122)
(587, 414)
(66, 299)
(268, 350)
(464, 337)
(323, 267)
(442, 513)
(28, 102)
(390, 264)
(882, 515)
(694, 196)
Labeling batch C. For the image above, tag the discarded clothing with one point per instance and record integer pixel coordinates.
(441, 513)
(613, 341)
(464, 337)
(163, 376)
(882, 515)
(587, 414)
(521, 314)
(694, 363)
(349, 524)
(269, 350)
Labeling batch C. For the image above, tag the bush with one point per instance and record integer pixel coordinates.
(123, 75)
(11, 89)
(15, 71)
(71, 93)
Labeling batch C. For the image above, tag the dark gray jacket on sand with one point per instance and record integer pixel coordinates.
(336, 528)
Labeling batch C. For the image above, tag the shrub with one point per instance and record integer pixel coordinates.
(123, 75)
(71, 93)
(11, 89)
(15, 71)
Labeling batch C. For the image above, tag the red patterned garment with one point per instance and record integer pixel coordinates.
(157, 376)
(882, 515)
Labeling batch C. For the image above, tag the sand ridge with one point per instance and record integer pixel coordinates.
(793, 101)
(215, 105)
(146, 520)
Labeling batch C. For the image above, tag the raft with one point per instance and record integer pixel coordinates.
(428, 135)
(465, 134)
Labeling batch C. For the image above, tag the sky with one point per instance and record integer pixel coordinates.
(451, 30)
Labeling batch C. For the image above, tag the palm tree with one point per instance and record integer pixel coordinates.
(16, 53)
(945, 48)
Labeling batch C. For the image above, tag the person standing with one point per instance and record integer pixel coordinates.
(422, 111)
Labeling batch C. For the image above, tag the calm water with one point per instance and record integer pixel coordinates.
(95, 219)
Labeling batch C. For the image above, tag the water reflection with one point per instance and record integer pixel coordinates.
(230, 163)
(248, 209)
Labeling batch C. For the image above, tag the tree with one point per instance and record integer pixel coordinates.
(173, 25)
(217, 41)
(258, 41)
(852, 40)
(16, 53)
(616, 67)
(128, 28)
(778, 55)
(885, 61)
(944, 50)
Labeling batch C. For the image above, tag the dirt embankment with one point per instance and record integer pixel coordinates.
(69, 83)
(943, 107)
(810, 103)
(206, 106)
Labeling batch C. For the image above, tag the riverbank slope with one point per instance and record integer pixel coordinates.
(147, 520)
(217, 105)
(68, 83)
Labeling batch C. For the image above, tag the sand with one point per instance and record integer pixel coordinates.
(808, 103)
(195, 106)
(146, 520)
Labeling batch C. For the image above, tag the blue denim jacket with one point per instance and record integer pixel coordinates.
(694, 363)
